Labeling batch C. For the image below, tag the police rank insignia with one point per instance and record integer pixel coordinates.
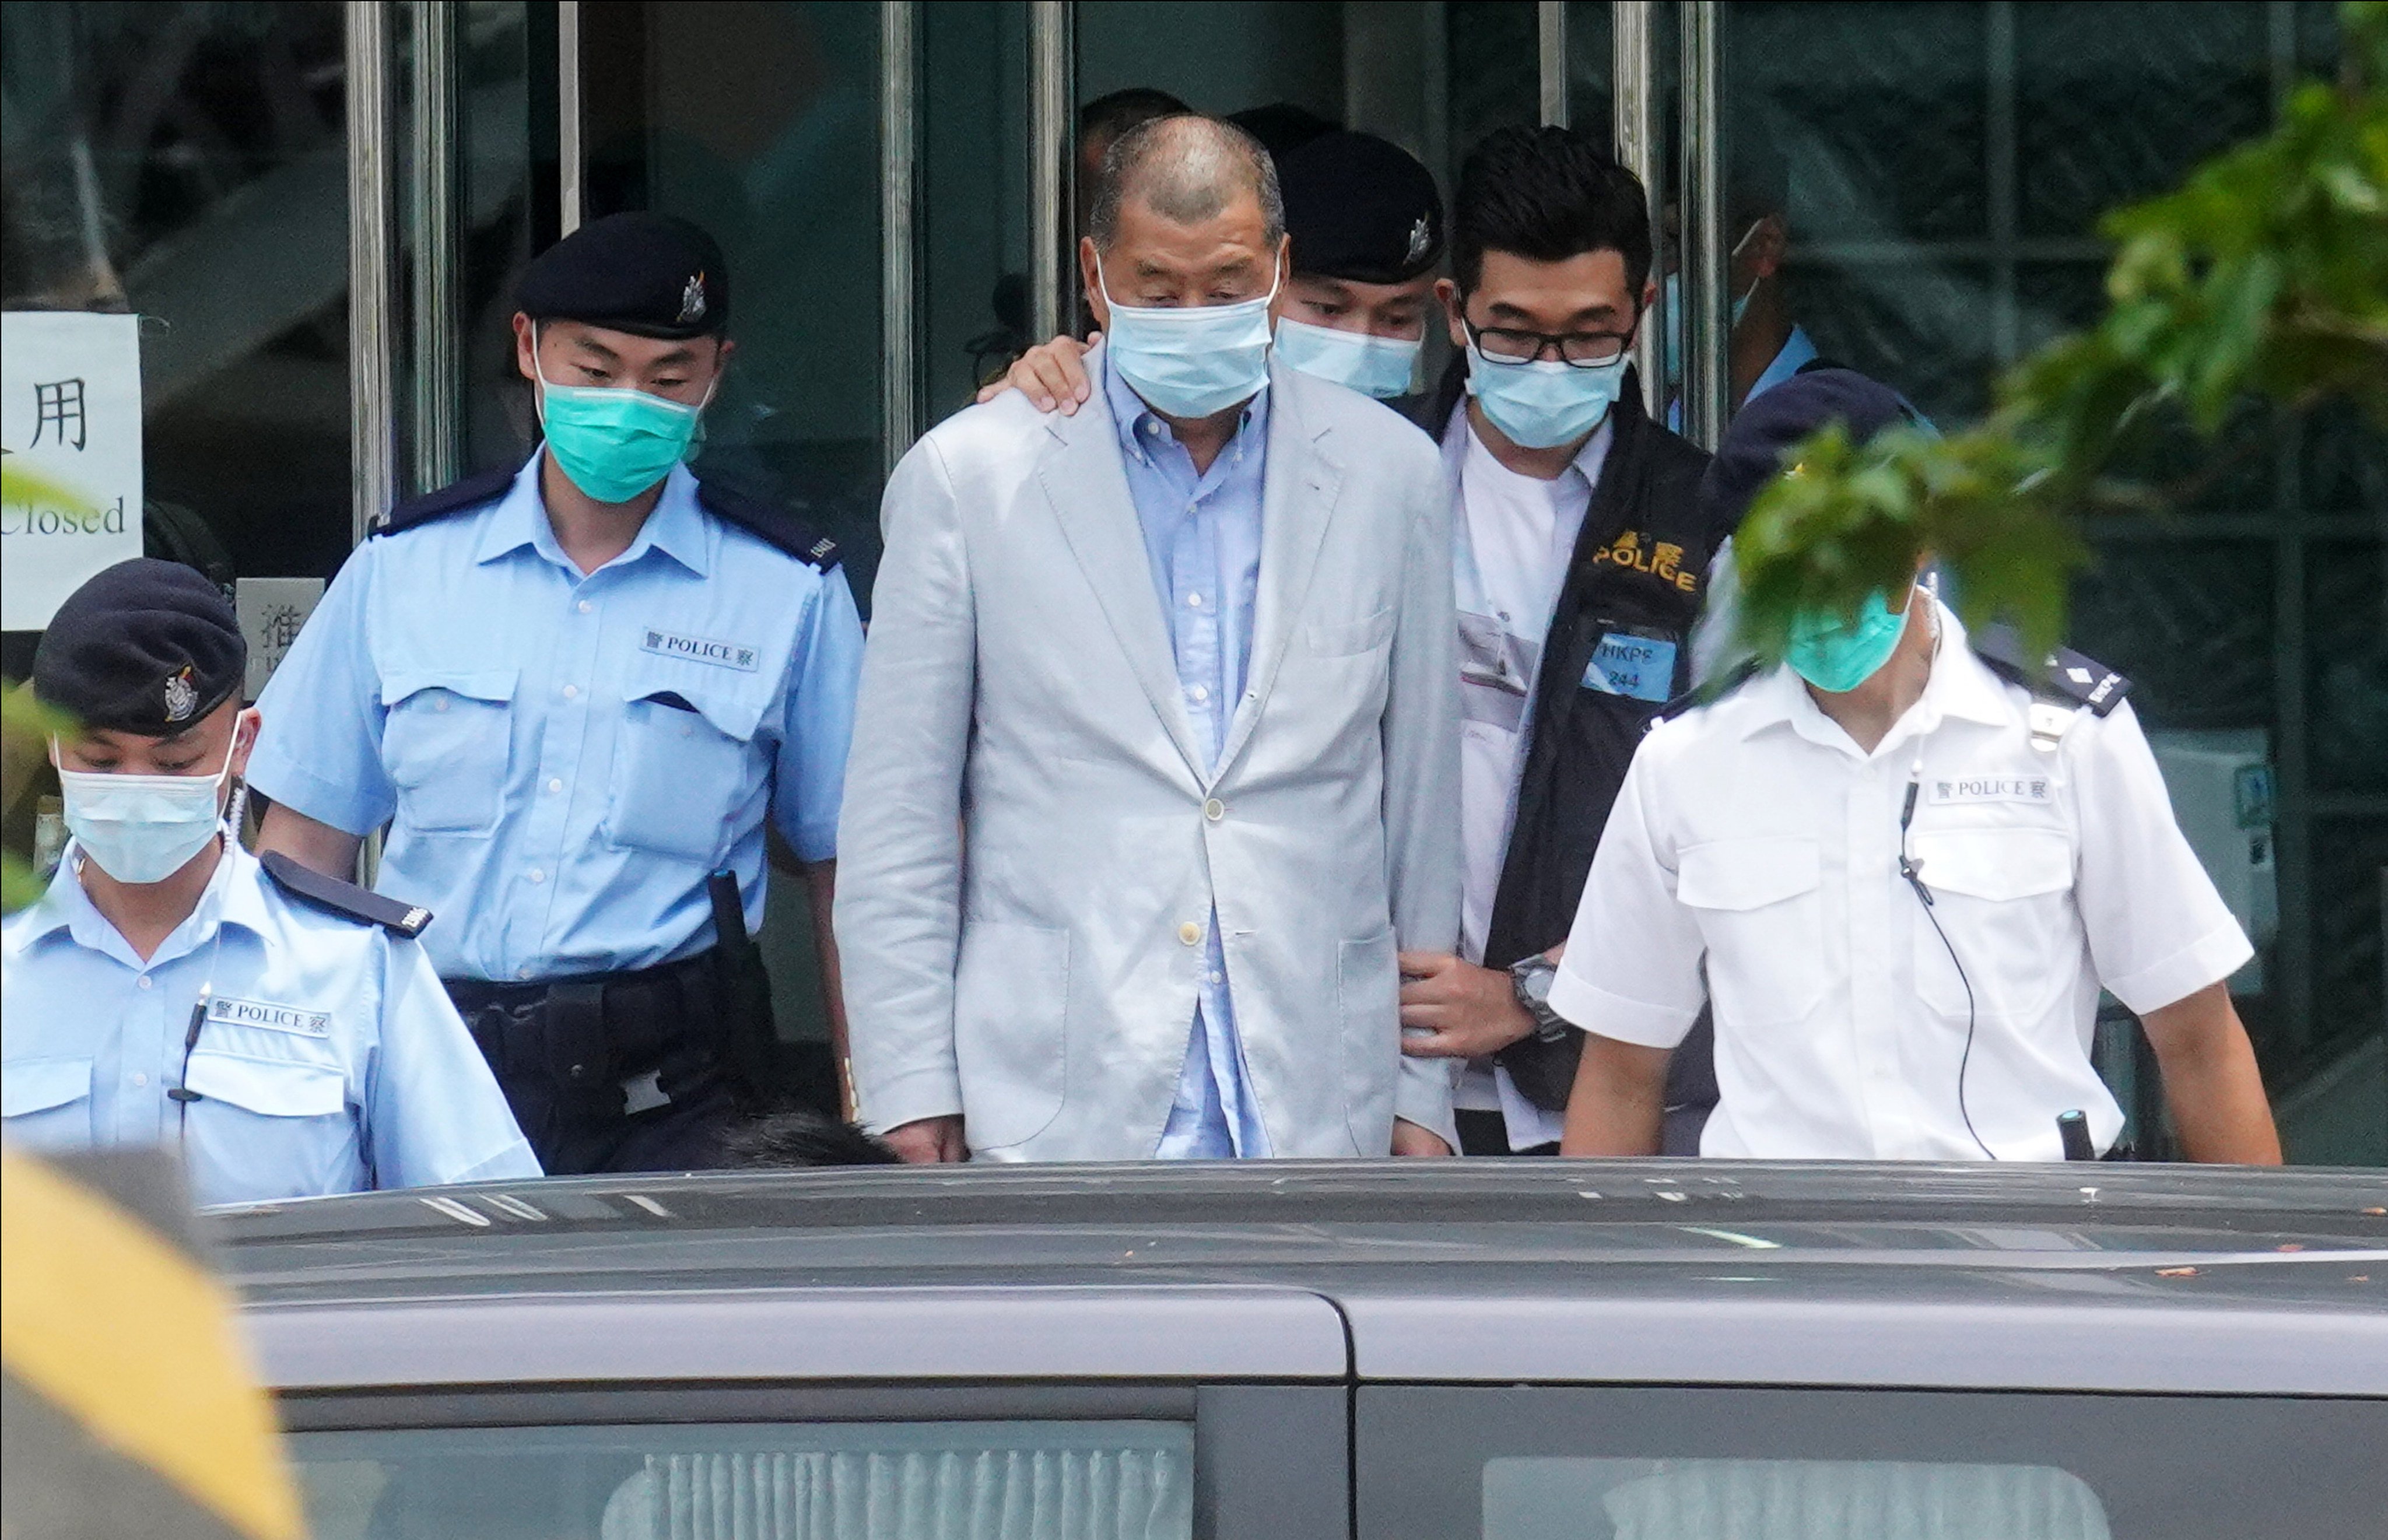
(182, 695)
(1421, 237)
(692, 301)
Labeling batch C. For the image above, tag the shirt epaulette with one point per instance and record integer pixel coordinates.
(346, 899)
(454, 498)
(771, 524)
(2063, 676)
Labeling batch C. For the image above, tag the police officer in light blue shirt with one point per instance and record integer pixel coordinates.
(573, 693)
(283, 1028)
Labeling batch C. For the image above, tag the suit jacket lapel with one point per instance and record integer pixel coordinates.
(1298, 490)
(1081, 477)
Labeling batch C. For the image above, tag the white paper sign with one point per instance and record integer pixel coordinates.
(272, 610)
(71, 473)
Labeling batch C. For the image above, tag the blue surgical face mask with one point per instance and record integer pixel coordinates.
(613, 443)
(1547, 403)
(1835, 653)
(1189, 361)
(1378, 366)
(142, 828)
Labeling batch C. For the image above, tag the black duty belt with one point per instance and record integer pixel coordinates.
(603, 1032)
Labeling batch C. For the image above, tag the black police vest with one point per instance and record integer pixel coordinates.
(1640, 566)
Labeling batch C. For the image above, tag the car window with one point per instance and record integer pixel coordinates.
(1554, 1462)
(865, 1481)
(1562, 1498)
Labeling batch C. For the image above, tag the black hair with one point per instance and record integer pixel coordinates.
(791, 1140)
(1115, 113)
(1547, 194)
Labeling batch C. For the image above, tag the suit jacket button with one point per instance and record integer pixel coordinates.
(1189, 933)
(1214, 810)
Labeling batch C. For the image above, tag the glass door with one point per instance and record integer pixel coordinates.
(1934, 174)
(760, 121)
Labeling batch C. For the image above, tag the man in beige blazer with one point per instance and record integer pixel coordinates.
(1154, 769)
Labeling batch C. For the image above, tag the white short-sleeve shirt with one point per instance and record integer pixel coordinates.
(1754, 841)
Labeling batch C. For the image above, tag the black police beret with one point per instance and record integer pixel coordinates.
(145, 646)
(1772, 421)
(1361, 207)
(650, 274)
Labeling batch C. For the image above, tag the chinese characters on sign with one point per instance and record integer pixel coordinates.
(272, 610)
(56, 404)
(70, 455)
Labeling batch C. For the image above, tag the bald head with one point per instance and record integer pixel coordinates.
(1187, 169)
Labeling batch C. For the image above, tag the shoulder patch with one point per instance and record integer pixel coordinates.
(2062, 677)
(771, 524)
(2087, 681)
(345, 899)
(471, 492)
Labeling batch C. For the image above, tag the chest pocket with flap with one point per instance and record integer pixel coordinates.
(47, 1103)
(2003, 896)
(446, 742)
(1758, 910)
(685, 767)
(270, 1087)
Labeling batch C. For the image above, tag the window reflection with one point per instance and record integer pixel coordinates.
(187, 161)
(974, 213)
(760, 122)
(1945, 166)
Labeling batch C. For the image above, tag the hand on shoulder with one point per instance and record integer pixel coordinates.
(1050, 375)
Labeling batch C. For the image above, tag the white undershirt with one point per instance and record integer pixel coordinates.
(1516, 535)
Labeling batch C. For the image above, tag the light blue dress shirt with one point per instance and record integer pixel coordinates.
(329, 1058)
(564, 759)
(1797, 352)
(1202, 533)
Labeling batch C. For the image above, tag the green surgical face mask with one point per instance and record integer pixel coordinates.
(614, 443)
(1835, 653)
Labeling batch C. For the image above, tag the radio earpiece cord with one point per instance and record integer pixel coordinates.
(1912, 870)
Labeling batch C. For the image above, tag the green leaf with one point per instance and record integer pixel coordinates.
(2263, 276)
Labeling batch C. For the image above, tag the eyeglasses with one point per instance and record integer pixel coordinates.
(1582, 350)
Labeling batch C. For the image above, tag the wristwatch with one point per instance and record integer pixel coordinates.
(1530, 977)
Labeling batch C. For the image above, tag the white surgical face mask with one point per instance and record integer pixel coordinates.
(1189, 361)
(1378, 366)
(142, 828)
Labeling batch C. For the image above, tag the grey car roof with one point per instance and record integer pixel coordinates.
(2104, 1277)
